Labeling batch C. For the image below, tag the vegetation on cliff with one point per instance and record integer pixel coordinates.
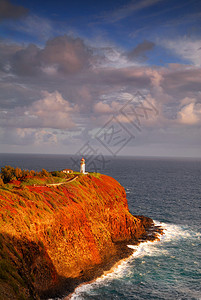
(52, 235)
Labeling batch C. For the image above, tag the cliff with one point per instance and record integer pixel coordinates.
(55, 237)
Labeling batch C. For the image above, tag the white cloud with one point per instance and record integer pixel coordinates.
(45, 136)
(27, 136)
(52, 111)
(190, 113)
(82, 95)
(128, 9)
(185, 48)
(104, 108)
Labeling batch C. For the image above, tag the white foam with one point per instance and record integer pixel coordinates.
(177, 232)
(128, 191)
(117, 272)
(149, 248)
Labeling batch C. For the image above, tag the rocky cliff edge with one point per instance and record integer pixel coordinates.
(52, 238)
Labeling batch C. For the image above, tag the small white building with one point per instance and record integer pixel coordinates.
(67, 171)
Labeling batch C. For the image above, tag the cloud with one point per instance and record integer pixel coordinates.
(102, 108)
(25, 62)
(63, 54)
(65, 64)
(186, 48)
(138, 53)
(7, 51)
(107, 108)
(27, 136)
(11, 11)
(35, 26)
(190, 113)
(127, 10)
(134, 76)
(84, 87)
(181, 80)
(17, 136)
(70, 55)
(14, 94)
(52, 111)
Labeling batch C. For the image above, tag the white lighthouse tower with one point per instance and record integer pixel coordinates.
(82, 166)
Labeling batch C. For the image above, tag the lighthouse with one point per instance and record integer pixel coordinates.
(82, 166)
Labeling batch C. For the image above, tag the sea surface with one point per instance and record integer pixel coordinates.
(167, 190)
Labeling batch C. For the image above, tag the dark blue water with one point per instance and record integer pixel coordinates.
(167, 190)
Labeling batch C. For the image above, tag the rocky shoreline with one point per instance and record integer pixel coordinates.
(66, 289)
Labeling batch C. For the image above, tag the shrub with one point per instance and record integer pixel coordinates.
(8, 174)
(1, 181)
(18, 173)
(58, 174)
(45, 173)
(32, 173)
(25, 173)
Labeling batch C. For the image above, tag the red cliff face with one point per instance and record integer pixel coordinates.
(53, 234)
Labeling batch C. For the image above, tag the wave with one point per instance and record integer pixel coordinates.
(172, 233)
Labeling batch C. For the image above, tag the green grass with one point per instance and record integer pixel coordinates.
(40, 181)
(55, 180)
(32, 181)
(97, 175)
(74, 183)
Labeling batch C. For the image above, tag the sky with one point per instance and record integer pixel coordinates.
(101, 77)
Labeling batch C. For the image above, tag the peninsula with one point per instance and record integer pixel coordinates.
(55, 236)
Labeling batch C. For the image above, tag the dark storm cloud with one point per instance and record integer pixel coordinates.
(11, 11)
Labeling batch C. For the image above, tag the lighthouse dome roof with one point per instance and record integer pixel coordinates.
(82, 159)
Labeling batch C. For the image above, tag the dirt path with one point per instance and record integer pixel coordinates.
(59, 183)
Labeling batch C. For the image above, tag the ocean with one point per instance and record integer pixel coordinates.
(167, 190)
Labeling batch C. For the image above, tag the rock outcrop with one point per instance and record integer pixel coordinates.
(53, 238)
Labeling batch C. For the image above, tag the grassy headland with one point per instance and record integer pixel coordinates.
(59, 236)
